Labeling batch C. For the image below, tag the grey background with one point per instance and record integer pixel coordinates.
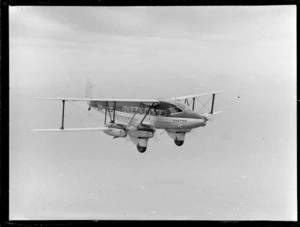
(242, 166)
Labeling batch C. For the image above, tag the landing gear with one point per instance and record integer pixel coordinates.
(179, 142)
(141, 149)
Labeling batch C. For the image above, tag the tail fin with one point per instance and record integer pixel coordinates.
(89, 88)
(89, 91)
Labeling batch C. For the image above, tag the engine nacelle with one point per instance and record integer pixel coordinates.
(115, 130)
(141, 143)
(178, 137)
(141, 133)
(140, 138)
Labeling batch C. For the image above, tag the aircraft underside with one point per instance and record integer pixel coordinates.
(141, 134)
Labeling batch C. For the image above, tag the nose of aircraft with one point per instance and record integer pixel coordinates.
(200, 122)
(194, 119)
(192, 114)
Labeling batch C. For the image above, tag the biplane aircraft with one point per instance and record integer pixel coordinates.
(142, 117)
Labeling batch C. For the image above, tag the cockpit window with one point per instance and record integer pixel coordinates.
(175, 110)
(182, 106)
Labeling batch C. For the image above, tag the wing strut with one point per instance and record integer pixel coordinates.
(113, 121)
(147, 113)
(212, 104)
(105, 112)
(193, 103)
(138, 110)
(107, 109)
(135, 113)
(109, 112)
(63, 115)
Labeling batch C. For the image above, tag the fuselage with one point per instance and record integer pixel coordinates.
(165, 115)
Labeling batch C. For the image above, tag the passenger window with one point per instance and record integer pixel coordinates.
(140, 111)
(163, 113)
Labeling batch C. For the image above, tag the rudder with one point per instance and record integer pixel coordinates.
(89, 87)
(89, 91)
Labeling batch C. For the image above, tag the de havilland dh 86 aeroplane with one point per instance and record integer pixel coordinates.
(142, 116)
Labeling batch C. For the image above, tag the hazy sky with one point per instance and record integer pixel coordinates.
(241, 166)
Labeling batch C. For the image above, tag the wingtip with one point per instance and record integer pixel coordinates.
(217, 112)
(215, 92)
(39, 97)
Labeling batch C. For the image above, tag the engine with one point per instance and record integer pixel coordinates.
(178, 137)
(140, 137)
(116, 130)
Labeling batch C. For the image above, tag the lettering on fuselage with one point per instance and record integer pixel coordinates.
(133, 110)
(163, 109)
(175, 120)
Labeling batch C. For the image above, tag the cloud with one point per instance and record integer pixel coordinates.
(192, 28)
(24, 22)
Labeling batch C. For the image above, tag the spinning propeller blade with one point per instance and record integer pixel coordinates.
(210, 116)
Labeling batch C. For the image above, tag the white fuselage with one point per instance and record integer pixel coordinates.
(159, 122)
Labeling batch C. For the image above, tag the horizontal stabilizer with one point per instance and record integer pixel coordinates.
(71, 129)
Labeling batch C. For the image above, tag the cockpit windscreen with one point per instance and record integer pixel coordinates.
(182, 106)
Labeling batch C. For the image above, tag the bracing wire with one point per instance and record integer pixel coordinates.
(87, 114)
(204, 105)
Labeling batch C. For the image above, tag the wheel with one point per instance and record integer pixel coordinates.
(178, 142)
(141, 149)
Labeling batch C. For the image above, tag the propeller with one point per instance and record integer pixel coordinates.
(210, 116)
(194, 133)
(207, 117)
(157, 135)
(163, 132)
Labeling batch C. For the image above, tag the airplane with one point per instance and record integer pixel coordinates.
(142, 117)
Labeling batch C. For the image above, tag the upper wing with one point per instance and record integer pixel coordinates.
(144, 101)
(70, 129)
(194, 96)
